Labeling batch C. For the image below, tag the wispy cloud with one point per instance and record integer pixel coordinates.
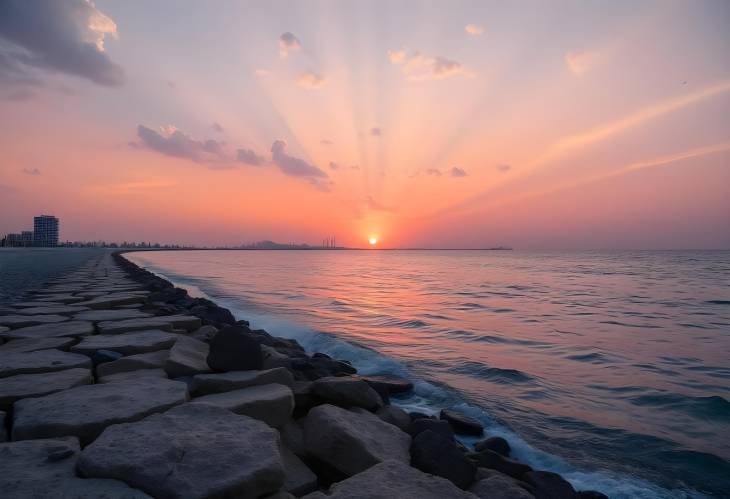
(457, 172)
(377, 206)
(504, 167)
(288, 43)
(250, 157)
(217, 127)
(67, 36)
(173, 142)
(474, 29)
(293, 166)
(32, 171)
(416, 66)
(434, 172)
(311, 80)
(261, 72)
(334, 166)
(376, 131)
(326, 142)
(578, 62)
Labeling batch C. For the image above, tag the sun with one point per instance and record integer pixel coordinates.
(373, 241)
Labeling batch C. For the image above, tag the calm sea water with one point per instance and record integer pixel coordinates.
(612, 368)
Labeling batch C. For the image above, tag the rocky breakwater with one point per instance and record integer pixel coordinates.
(116, 384)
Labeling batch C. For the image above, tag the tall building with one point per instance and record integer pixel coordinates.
(27, 238)
(45, 231)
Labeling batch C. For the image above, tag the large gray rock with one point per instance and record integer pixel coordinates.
(272, 403)
(205, 384)
(393, 479)
(188, 356)
(351, 441)
(347, 392)
(490, 484)
(33, 344)
(111, 315)
(41, 361)
(30, 320)
(58, 298)
(164, 323)
(549, 485)
(132, 375)
(46, 469)
(192, 451)
(85, 411)
(461, 423)
(127, 343)
(36, 385)
(52, 309)
(395, 416)
(438, 455)
(70, 328)
(151, 360)
(300, 479)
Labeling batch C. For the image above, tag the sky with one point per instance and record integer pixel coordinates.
(531, 124)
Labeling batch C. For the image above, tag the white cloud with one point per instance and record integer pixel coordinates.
(578, 62)
(420, 67)
(474, 29)
(311, 80)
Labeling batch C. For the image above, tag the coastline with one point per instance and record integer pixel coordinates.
(337, 429)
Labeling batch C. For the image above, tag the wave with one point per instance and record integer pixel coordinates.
(496, 374)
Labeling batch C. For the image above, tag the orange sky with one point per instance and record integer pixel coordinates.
(467, 124)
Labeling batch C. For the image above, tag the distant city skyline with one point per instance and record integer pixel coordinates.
(583, 125)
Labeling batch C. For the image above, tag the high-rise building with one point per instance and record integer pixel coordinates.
(27, 238)
(45, 231)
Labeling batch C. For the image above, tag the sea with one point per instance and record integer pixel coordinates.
(610, 368)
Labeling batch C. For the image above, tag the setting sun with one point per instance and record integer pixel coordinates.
(373, 241)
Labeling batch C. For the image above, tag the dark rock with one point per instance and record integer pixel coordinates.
(434, 454)
(231, 349)
(204, 333)
(495, 444)
(319, 367)
(168, 295)
(395, 416)
(102, 356)
(461, 423)
(441, 427)
(419, 415)
(393, 384)
(590, 494)
(214, 315)
(347, 392)
(549, 485)
(490, 459)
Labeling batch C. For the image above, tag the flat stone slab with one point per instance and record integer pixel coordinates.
(164, 323)
(353, 441)
(59, 298)
(272, 403)
(37, 303)
(146, 361)
(133, 375)
(393, 479)
(23, 386)
(192, 451)
(33, 344)
(18, 320)
(47, 469)
(127, 343)
(205, 384)
(85, 411)
(70, 328)
(40, 361)
(110, 315)
(112, 300)
(51, 309)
